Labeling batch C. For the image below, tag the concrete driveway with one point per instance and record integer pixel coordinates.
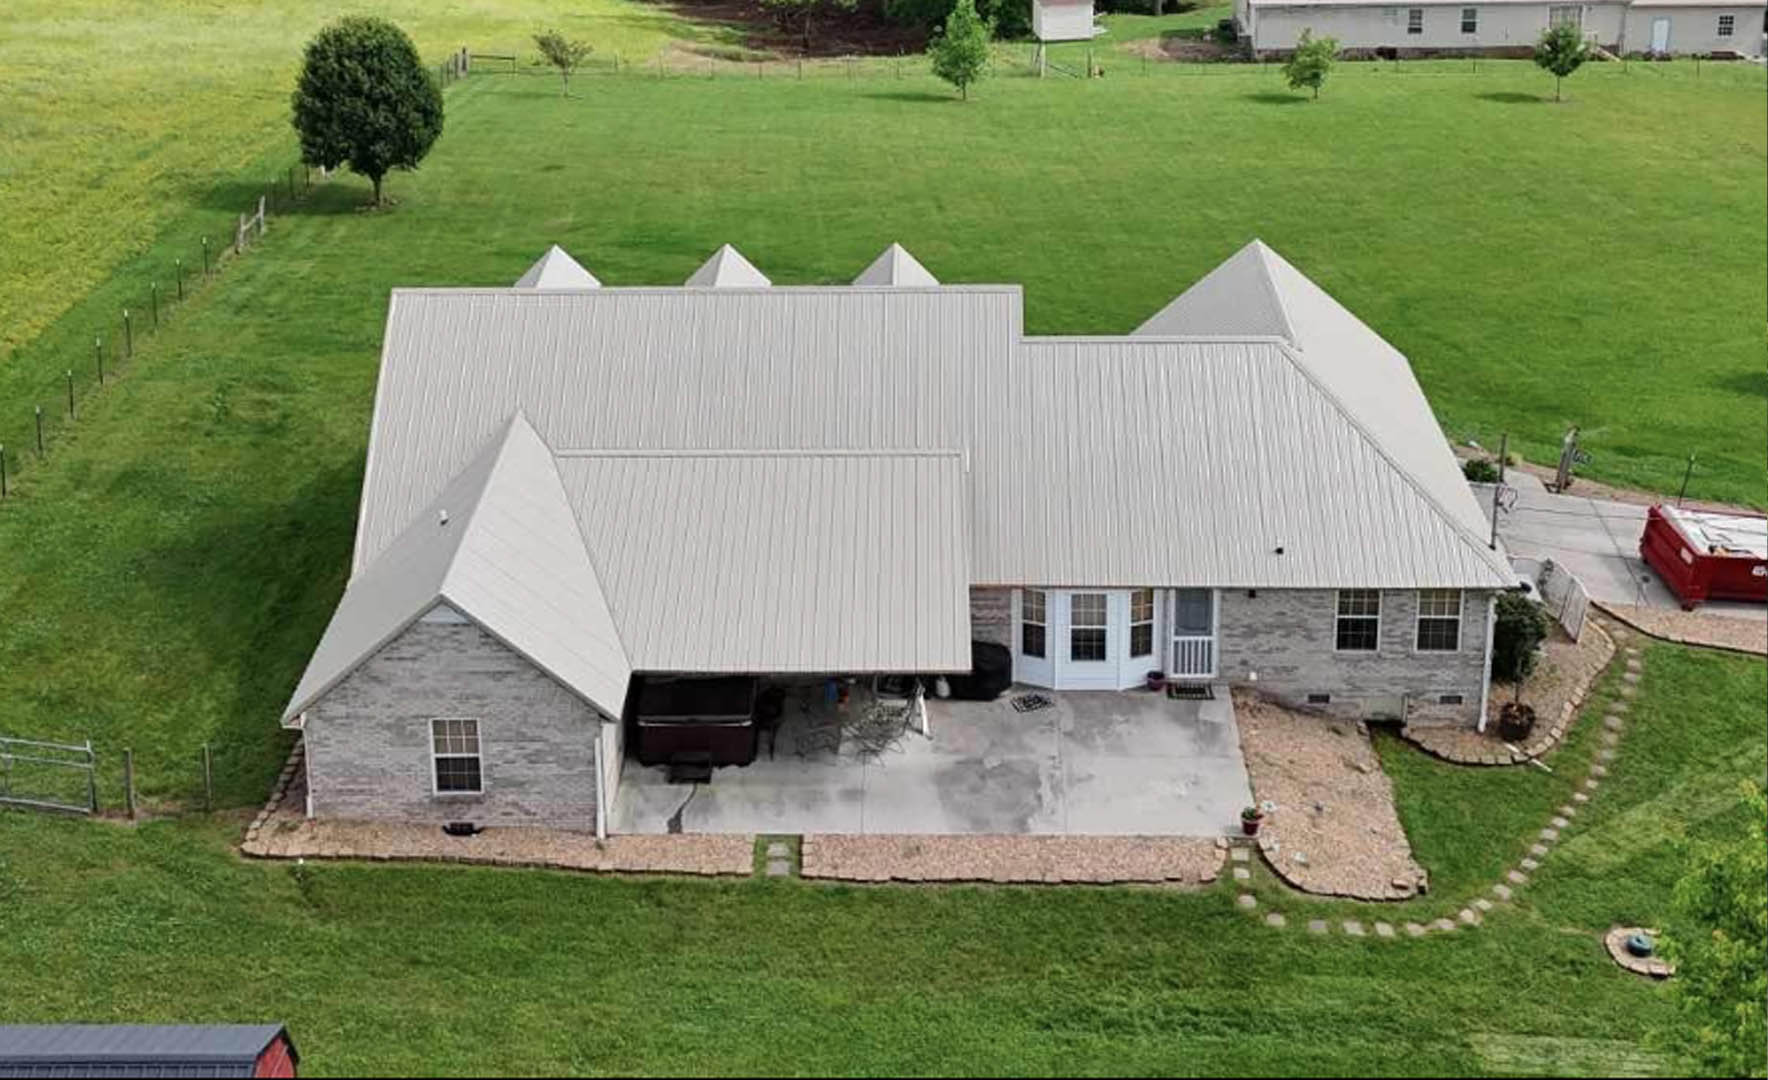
(1596, 539)
(1117, 764)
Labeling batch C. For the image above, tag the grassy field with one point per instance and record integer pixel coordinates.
(459, 971)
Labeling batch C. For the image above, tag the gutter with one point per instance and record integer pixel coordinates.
(601, 774)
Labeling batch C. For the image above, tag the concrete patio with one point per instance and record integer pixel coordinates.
(1118, 764)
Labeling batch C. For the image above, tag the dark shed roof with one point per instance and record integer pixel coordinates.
(135, 1050)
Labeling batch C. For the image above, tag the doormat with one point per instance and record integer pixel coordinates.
(1031, 702)
(1190, 691)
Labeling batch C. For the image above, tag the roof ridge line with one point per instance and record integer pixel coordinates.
(741, 452)
(1485, 554)
(1263, 251)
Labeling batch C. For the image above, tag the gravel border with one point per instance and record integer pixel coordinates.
(1693, 628)
(1013, 859)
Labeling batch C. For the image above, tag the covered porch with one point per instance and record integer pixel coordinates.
(1079, 763)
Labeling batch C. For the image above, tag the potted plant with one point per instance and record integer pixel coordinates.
(1250, 819)
(1157, 680)
(1518, 630)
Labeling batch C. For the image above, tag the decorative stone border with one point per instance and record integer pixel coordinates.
(1655, 966)
(1464, 746)
(297, 757)
(1501, 892)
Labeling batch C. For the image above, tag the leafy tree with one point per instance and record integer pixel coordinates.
(365, 100)
(1310, 63)
(1010, 18)
(960, 50)
(1517, 632)
(1717, 936)
(1562, 51)
(804, 11)
(562, 53)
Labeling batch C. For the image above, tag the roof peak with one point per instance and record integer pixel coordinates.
(556, 269)
(894, 266)
(727, 268)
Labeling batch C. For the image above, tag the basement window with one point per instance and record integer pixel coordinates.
(1449, 699)
(1319, 699)
(1415, 20)
(1439, 620)
(1727, 24)
(1469, 20)
(455, 750)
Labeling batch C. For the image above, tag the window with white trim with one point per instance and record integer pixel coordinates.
(1142, 622)
(1086, 626)
(1415, 20)
(455, 748)
(1469, 20)
(1571, 15)
(1032, 624)
(1359, 620)
(1439, 620)
(1727, 24)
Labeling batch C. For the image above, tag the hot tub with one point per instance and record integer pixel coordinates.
(709, 719)
(1704, 556)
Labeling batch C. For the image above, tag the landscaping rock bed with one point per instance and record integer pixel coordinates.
(1332, 828)
(1693, 628)
(1025, 859)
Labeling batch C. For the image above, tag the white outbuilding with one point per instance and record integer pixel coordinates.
(1062, 20)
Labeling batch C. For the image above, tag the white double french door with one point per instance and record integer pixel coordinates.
(1085, 639)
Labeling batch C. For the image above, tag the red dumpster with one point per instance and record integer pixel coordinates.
(1703, 555)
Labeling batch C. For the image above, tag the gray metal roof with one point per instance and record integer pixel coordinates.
(557, 270)
(501, 545)
(726, 269)
(894, 266)
(133, 1049)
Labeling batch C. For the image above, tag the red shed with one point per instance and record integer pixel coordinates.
(1707, 556)
(146, 1050)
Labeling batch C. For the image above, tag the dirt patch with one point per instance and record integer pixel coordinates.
(1052, 860)
(1186, 46)
(862, 32)
(1693, 628)
(1332, 828)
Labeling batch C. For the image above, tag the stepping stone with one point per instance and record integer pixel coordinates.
(1619, 708)
(1241, 873)
(1483, 904)
(1599, 770)
(1607, 753)
(1501, 891)
(1550, 835)
(1316, 926)
(1530, 865)
(1592, 784)
(1353, 928)
(1615, 724)
(1246, 901)
(1631, 675)
(1629, 691)
(1580, 797)
(1568, 810)
(1276, 919)
(779, 868)
(1517, 877)
(1469, 916)
(1384, 930)
(1538, 850)
(778, 850)
(1610, 738)
(1416, 930)
(1443, 924)
(1240, 854)
(1560, 823)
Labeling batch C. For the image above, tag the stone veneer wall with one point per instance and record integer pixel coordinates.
(368, 739)
(991, 615)
(1288, 636)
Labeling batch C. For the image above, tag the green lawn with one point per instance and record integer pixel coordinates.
(387, 969)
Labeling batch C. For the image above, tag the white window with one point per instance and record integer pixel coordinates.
(1439, 620)
(455, 748)
(1469, 20)
(1359, 620)
(1142, 622)
(1571, 15)
(1032, 624)
(1727, 23)
(1415, 20)
(1086, 626)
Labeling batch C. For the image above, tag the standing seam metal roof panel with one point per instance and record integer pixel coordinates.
(135, 1050)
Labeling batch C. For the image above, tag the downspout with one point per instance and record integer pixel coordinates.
(1485, 686)
(601, 774)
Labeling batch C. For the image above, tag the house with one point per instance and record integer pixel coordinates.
(568, 486)
(1062, 20)
(1504, 27)
(147, 1050)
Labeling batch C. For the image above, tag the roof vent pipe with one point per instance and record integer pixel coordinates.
(442, 518)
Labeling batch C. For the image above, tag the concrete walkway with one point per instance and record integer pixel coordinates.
(1596, 539)
(1100, 764)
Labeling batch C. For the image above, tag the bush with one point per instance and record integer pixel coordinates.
(1011, 18)
(1224, 32)
(1480, 470)
(364, 99)
(1521, 626)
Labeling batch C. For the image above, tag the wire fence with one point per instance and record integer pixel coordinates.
(92, 779)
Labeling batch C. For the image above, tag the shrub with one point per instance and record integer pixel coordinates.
(1521, 626)
(1480, 470)
(1310, 63)
(365, 100)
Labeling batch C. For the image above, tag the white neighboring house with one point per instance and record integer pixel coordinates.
(1503, 27)
(1062, 20)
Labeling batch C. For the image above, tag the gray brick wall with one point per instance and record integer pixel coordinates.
(368, 740)
(1288, 635)
(991, 615)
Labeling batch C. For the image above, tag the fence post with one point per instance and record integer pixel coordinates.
(70, 393)
(98, 354)
(153, 297)
(128, 337)
(91, 778)
(239, 234)
(205, 257)
(178, 269)
(801, 69)
(261, 221)
(39, 432)
(208, 781)
(2, 470)
(129, 782)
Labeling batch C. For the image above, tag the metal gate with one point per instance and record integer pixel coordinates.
(48, 776)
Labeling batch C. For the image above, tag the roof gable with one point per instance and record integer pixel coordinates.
(557, 270)
(894, 266)
(725, 269)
